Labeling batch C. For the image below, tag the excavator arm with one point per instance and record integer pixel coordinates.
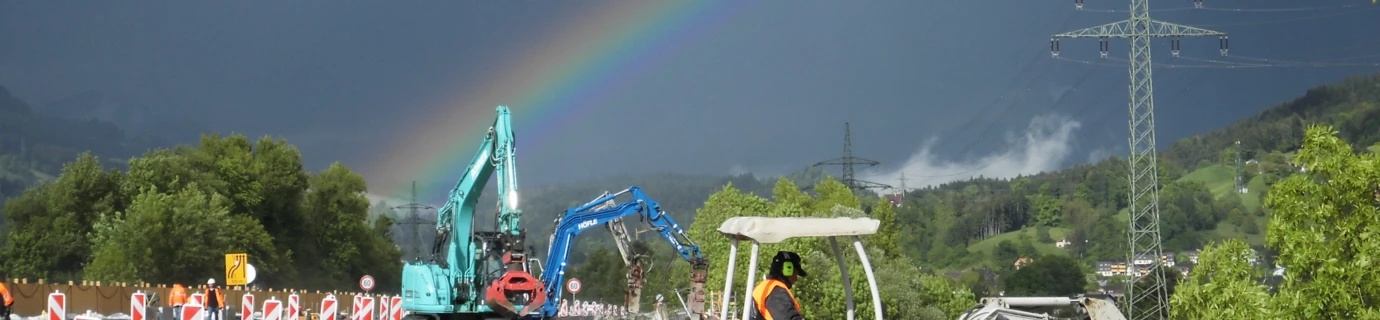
(634, 261)
(486, 266)
(603, 211)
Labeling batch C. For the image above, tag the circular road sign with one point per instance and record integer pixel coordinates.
(573, 285)
(366, 283)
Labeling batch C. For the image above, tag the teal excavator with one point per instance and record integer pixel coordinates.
(477, 274)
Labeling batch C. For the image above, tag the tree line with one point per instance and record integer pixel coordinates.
(174, 214)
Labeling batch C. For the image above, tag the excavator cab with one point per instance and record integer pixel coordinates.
(761, 230)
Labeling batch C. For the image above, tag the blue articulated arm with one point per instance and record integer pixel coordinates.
(594, 213)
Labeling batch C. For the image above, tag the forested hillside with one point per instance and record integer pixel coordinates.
(34, 146)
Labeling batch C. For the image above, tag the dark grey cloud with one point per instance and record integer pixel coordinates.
(765, 90)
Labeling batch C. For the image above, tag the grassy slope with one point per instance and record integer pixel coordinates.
(1218, 178)
(1044, 248)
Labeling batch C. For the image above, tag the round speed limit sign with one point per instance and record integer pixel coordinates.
(573, 286)
(366, 283)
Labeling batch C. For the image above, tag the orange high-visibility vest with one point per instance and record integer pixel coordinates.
(220, 298)
(764, 288)
(178, 295)
(5, 292)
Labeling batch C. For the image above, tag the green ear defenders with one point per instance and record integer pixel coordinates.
(788, 269)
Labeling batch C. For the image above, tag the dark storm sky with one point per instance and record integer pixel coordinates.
(765, 90)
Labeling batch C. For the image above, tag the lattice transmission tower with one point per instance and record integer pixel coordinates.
(415, 224)
(848, 161)
(1240, 170)
(1144, 232)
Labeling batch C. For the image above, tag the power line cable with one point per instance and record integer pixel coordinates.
(1311, 17)
(1034, 59)
(1206, 8)
(1049, 107)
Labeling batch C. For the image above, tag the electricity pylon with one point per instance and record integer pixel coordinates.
(1240, 173)
(415, 221)
(1144, 232)
(848, 161)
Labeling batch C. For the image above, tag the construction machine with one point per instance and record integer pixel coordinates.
(769, 230)
(603, 210)
(477, 274)
(1089, 308)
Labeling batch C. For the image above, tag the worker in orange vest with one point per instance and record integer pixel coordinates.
(772, 298)
(8, 300)
(215, 299)
(176, 298)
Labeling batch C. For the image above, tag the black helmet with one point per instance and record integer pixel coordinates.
(779, 266)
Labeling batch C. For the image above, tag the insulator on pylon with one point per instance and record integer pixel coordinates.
(1225, 44)
(1054, 47)
(1174, 46)
(1198, 4)
(1103, 46)
(1078, 4)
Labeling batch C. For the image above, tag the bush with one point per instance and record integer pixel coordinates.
(1042, 233)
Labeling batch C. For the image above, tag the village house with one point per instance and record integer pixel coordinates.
(1022, 262)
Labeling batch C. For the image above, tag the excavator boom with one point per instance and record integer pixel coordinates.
(603, 211)
(479, 274)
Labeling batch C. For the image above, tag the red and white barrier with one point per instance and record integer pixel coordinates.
(199, 298)
(383, 307)
(137, 305)
(354, 307)
(395, 308)
(191, 311)
(57, 306)
(273, 309)
(247, 306)
(328, 308)
(366, 308)
(294, 307)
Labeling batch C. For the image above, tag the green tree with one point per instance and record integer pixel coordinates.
(1048, 275)
(1222, 286)
(174, 237)
(49, 224)
(1324, 226)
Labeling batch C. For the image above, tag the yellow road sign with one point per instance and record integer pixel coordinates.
(235, 265)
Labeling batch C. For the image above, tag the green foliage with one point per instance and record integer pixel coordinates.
(163, 238)
(1324, 225)
(176, 212)
(1048, 275)
(1221, 286)
(904, 294)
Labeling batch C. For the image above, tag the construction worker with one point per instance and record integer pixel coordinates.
(772, 298)
(176, 298)
(215, 299)
(8, 298)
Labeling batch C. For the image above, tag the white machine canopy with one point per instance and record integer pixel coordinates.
(776, 230)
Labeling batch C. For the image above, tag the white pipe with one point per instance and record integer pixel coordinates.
(1025, 302)
(843, 269)
(752, 275)
(728, 280)
(871, 279)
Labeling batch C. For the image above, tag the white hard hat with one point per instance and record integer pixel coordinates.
(211, 281)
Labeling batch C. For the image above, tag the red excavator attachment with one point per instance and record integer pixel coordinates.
(514, 285)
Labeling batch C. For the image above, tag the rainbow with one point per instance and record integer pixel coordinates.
(554, 81)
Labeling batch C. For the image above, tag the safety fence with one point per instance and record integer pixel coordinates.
(62, 301)
(32, 299)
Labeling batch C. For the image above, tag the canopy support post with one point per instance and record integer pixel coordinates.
(843, 270)
(871, 279)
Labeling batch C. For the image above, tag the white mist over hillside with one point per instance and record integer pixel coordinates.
(1043, 146)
